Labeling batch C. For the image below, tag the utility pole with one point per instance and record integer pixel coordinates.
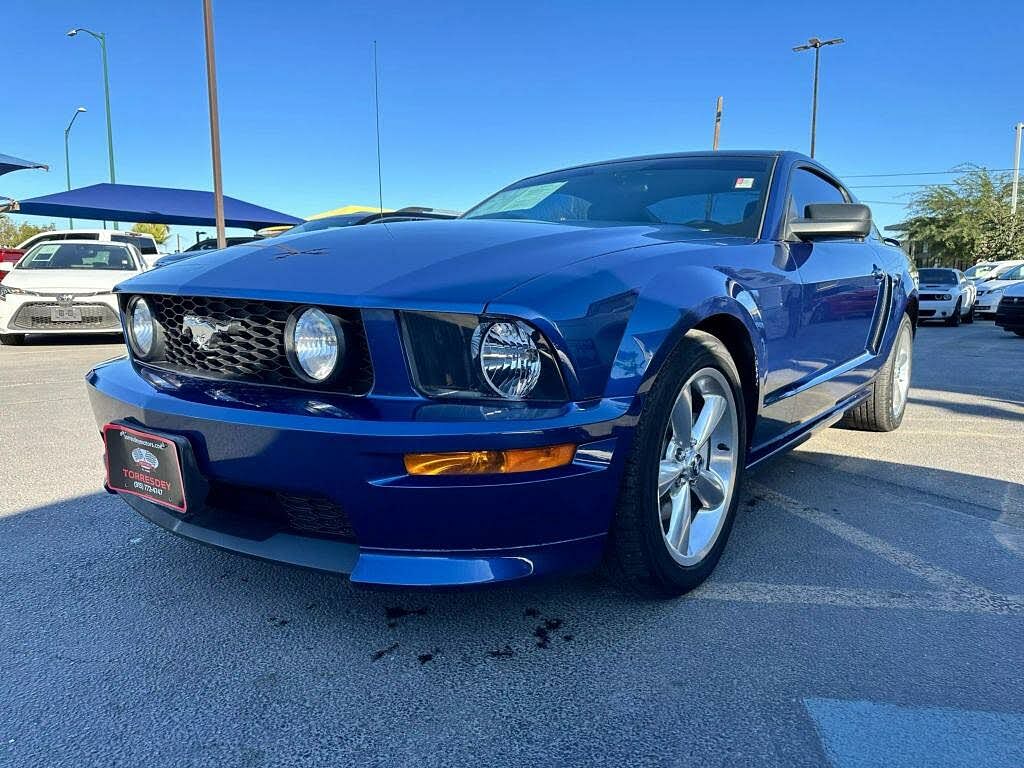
(1018, 128)
(211, 85)
(67, 155)
(101, 38)
(816, 44)
(718, 124)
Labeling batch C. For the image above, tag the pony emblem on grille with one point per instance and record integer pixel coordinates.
(203, 330)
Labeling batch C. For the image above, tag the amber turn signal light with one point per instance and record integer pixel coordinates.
(489, 462)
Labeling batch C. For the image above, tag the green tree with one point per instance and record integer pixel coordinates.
(12, 234)
(969, 220)
(160, 232)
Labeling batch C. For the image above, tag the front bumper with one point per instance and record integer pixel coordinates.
(936, 310)
(408, 530)
(31, 313)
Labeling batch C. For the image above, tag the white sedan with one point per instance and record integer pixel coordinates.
(990, 291)
(945, 294)
(65, 287)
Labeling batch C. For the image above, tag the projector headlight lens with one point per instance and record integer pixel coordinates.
(141, 327)
(509, 359)
(316, 344)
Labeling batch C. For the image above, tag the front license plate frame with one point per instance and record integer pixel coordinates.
(155, 466)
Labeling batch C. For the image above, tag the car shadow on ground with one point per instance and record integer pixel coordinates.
(97, 541)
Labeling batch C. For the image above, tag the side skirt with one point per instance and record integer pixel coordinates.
(804, 431)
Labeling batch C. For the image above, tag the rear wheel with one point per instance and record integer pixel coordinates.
(12, 339)
(681, 482)
(883, 410)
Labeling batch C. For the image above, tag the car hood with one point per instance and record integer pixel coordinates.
(65, 280)
(458, 265)
(992, 285)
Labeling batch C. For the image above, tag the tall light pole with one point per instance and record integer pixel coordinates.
(816, 44)
(1016, 170)
(211, 86)
(101, 38)
(67, 155)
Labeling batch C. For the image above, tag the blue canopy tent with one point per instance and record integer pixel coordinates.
(155, 205)
(8, 164)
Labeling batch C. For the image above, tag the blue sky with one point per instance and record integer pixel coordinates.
(476, 95)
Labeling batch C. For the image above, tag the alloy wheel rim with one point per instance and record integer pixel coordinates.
(901, 373)
(698, 469)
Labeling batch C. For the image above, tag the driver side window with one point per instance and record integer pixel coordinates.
(807, 188)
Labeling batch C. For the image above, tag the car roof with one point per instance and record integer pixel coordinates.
(98, 243)
(766, 153)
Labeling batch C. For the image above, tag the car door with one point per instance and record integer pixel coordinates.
(842, 286)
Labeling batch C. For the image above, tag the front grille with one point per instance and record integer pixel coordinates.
(37, 317)
(926, 313)
(932, 297)
(310, 514)
(252, 350)
(263, 512)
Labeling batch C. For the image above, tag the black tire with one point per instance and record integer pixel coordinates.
(12, 339)
(637, 558)
(875, 414)
(954, 319)
(969, 317)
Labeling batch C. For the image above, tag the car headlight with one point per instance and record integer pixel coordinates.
(508, 358)
(144, 333)
(315, 343)
(468, 356)
(946, 297)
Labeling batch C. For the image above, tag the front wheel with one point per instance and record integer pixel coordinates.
(886, 403)
(12, 339)
(681, 481)
(969, 315)
(955, 318)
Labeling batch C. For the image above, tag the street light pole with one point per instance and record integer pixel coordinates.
(816, 44)
(101, 38)
(1016, 170)
(67, 155)
(211, 85)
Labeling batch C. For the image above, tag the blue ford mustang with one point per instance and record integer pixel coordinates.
(581, 368)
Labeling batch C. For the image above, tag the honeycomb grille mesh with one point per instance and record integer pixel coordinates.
(252, 348)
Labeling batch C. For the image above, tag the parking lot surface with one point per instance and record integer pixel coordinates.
(869, 610)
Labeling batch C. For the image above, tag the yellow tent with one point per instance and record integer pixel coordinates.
(271, 231)
(348, 209)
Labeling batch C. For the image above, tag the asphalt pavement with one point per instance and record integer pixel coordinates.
(869, 611)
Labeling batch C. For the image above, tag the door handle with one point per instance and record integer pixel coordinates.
(878, 273)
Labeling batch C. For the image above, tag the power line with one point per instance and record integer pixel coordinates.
(915, 173)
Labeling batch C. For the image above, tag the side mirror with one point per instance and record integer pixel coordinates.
(825, 220)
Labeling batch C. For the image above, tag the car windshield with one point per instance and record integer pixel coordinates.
(980, 270)
(330, 222)
(1011, 272)
(937, 276)
(721, 194)
(59, 255)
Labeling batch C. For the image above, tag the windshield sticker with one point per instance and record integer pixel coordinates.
(45, 253)
(519, 199)
(744, 183)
